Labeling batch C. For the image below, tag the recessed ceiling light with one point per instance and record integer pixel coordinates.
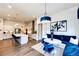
(16, 24)
(34, 17)
(8, 14)
(9, 6)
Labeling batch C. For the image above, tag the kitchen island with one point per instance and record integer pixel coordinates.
(20, 38)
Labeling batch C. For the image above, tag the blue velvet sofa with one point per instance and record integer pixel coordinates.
(69, 50)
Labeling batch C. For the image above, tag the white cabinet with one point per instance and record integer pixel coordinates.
(6, 36)
(23, 38)
(1, 29)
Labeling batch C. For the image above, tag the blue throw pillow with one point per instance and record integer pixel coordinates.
(48, 48)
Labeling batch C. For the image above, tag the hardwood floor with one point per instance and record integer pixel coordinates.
(6, 43)
(7, 48)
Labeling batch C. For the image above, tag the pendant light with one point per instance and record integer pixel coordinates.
(45, 17)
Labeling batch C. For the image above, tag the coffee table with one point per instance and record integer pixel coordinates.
(58, 50)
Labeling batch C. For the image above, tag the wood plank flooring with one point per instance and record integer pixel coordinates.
(7, 48)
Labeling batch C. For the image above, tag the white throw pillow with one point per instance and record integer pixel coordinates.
(74, 41)
(56, 41)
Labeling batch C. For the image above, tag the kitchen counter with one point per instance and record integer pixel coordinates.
(21, 38)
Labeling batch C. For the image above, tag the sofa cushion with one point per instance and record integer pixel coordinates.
(71, 50)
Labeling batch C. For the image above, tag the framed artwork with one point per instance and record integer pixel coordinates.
(59, 26)
(54, 26)
(62, 26)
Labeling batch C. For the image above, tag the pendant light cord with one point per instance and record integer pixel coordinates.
(45, 8)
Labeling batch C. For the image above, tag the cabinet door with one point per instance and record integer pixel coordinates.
(1, 29)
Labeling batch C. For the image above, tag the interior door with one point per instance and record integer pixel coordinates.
(45, 29)
(39, 31)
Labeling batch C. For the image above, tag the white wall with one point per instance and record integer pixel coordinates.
(72, 22)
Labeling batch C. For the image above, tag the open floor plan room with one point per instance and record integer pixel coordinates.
(39, 29)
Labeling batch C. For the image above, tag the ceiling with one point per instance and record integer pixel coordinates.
(25, 12)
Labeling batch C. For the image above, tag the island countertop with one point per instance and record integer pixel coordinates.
(18, 35)
(23, 38)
